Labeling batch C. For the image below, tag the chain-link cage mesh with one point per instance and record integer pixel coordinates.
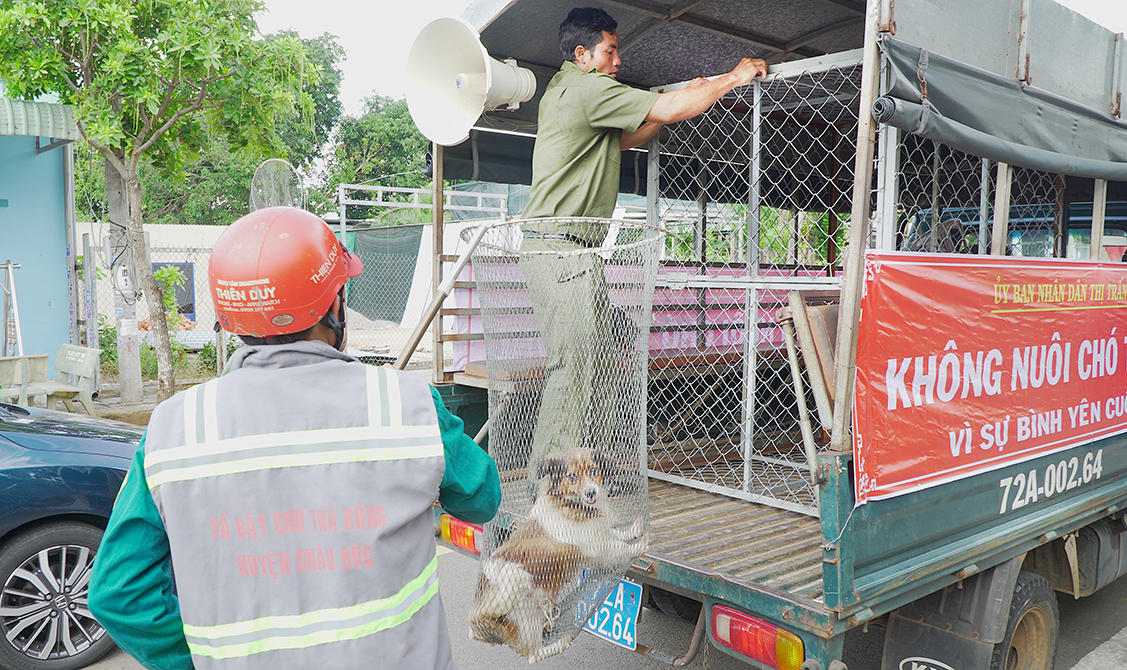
(566, 333)
(946, 204)
(755, 194)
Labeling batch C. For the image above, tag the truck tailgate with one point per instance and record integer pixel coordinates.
(745, 541)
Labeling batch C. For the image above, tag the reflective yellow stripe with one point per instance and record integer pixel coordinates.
(394, 400)
(293, 461)
(374, 405)
(191, 397)
(289, 439)
(210, 413)
(312, 618)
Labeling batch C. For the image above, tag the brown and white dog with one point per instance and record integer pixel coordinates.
(569, 530)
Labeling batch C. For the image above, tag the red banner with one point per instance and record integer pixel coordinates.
(969, 363)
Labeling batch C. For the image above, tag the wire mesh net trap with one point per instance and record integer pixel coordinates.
(566, 332)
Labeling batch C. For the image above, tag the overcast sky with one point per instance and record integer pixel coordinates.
(377, 35)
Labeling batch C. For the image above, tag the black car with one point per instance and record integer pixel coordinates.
(59, 476)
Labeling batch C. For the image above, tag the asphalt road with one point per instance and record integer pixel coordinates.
(1093, 635)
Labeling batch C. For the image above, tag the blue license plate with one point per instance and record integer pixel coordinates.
(616, 619)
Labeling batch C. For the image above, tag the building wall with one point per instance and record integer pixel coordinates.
(33, 235)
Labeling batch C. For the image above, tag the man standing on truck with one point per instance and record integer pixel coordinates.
(281, 515)
(586, 120)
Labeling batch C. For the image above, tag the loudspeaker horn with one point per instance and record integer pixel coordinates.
(452, 80)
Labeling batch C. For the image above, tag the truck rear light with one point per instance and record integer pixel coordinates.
(757, 639)
(461, 534)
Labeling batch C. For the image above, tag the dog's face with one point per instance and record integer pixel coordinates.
(578, 479)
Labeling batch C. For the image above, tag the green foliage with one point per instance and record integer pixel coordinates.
(302, 134)
(382, 142)
(214, 189)
(89, 184)
(152, 80)
(785, 237)
(215, 185)
(107, 342)
(208, 356)
(407, 215)
(79, 269)
(169, 278)
(149, 359)
(138, 73)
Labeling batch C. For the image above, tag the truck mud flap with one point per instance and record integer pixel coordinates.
(954, 628)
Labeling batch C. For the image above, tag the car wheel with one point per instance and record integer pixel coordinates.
(676, 605)
(44, 617)
(1031, 633)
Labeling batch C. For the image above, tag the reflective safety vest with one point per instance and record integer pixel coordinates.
(297, 503)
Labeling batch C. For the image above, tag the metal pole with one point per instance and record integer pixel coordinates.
(933, 234)
(755, 174)
(341, 214)
(90, 300)
(800, 394)
(1001, 211)
(888, 164)
(11, 302)
(846, 349)
(71, 243)
(751, 297)
(1099, 209)
(436, 269)
(653, 185)
(983, 206)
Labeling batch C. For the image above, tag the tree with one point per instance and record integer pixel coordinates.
(214, 188)
(383, 142)
(302, 135)
(146, 78)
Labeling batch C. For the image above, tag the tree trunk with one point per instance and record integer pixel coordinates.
(125, 321)
(166, 374)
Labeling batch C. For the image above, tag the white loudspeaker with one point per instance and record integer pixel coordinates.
(452, 80)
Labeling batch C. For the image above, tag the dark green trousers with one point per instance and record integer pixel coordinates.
(583, 342)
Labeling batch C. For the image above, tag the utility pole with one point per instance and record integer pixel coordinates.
(125, 290)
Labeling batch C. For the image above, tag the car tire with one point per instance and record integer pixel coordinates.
(1033, 627)
(44, 618)
(675, 605)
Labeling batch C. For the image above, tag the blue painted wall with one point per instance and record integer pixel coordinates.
(33, 234)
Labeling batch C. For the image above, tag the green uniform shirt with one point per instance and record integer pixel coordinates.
(575, 163)
(131, 589)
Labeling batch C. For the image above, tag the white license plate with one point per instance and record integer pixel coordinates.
(616, 619)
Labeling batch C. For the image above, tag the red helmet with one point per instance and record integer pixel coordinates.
(276, 271)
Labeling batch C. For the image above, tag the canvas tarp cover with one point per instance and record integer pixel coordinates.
(998, 118)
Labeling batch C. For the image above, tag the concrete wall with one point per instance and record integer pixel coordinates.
(33, 234)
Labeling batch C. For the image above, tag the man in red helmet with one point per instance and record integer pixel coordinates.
(281, 515)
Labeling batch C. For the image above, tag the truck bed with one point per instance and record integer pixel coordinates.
(746, 542)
